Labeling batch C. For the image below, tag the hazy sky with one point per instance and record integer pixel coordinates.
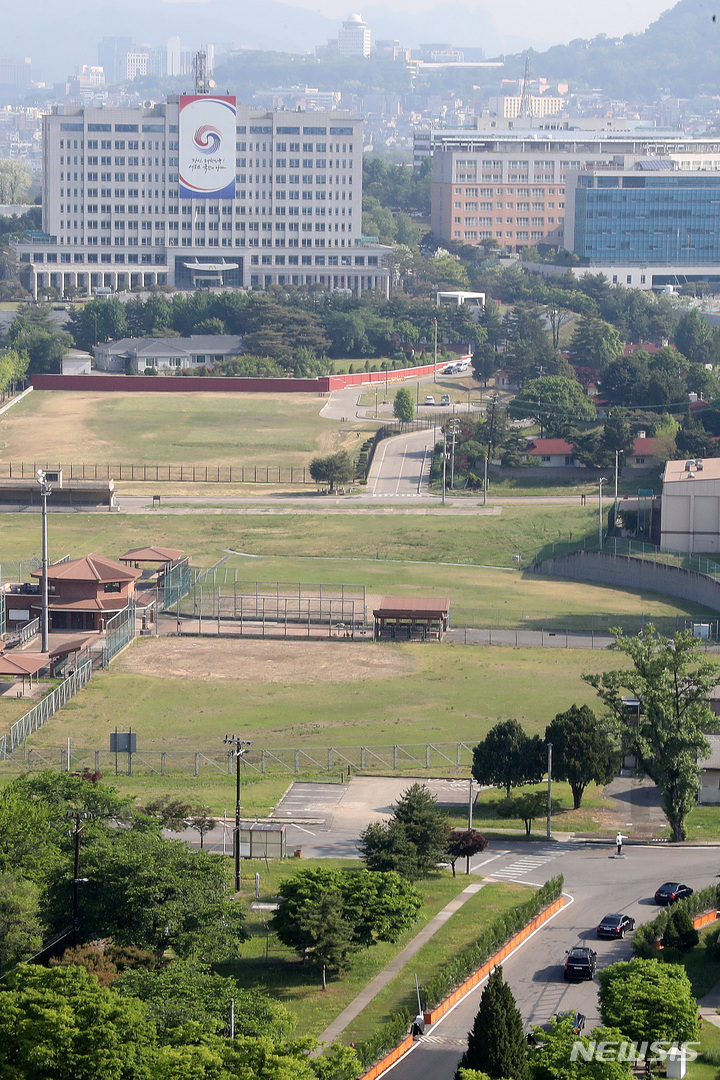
(557, 21)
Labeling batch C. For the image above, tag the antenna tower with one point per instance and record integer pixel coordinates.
(525, 111)
(200, 74)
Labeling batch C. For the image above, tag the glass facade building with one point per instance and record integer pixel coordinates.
(662, 217)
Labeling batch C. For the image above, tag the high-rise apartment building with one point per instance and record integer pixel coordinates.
(196, 192)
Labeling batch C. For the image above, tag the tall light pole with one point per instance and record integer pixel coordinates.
(45, 490)
(435, 353)
(602, 480)
(239, 752)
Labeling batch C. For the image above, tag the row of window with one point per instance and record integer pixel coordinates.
(313, 260)
(521, 192)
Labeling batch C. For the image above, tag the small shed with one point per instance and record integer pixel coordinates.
(23, 666)
(165, 557)
(411, 618)
(262, 839)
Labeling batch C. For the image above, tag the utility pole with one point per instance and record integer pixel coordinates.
(453, 432)
(239, 752)
(435, 352)
(77, 880)
(549, 791)
(444, 466)
(600, 514)
(45, 490)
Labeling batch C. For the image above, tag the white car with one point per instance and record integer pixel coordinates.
(429, 400)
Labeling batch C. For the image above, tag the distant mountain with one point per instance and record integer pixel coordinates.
(678, 53)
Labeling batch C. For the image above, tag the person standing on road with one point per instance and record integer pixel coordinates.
(619, 841)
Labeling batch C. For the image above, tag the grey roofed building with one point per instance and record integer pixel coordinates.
(166, 354)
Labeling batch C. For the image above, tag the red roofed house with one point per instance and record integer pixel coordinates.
(84, 593)
(551, 453)
(645, 453)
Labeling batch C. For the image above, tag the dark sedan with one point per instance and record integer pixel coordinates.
(615, 926)
(671, 892)
(580, 963)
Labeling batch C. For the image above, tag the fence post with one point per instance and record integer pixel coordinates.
(427, 755)
(395, 757)
(330, 758)
(197, 763)
(297, 761)
(97, 761)
(162, 763)
(362, 757)
(230, 762)
(262, 762)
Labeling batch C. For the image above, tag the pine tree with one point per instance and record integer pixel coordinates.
(496, 1044)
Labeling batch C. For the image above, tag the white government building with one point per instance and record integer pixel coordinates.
(200, 191)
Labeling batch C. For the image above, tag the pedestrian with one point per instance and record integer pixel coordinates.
(619, 841)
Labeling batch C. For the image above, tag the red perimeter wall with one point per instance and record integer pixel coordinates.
(193, 384)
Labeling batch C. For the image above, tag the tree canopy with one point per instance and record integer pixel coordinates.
(649, 1001)
(672, 684)
(555, 402)
(413, 841)
(496, 1044)
(507, 757)
(583, 750)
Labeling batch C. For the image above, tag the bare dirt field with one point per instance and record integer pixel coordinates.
(266, 661)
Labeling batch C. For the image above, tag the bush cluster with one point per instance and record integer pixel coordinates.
(648, 935)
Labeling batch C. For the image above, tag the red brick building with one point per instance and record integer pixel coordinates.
(84, 593)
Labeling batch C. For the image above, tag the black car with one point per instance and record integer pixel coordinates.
(580, 963)
(615, 926)
(671, 892)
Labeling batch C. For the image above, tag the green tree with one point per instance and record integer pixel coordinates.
(691, 333)
(171, 813)
(554, 402)
(507, 757)
(649, 1001)
(21, 927)
(145, 890)
(187, 992)
(594, 342)
(326, 934)
(335, 469)
(404, 406)
(616, 434)
(376, 906)
(496, 1044)
(559, 1054)
(680, 933)
(202, 822)
(15, 181)
(99, 320)
(583, 750)
(385, 846)
(526, 807)
(672, 683)
(59, 1023)
(425, 824)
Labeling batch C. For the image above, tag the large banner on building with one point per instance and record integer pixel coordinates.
(207, 147)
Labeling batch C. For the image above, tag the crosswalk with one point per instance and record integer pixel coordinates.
(441, 1040)
(398, 494)
(526, 864)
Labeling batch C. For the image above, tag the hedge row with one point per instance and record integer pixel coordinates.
(457, 970)
(461, 967)
(647, 936)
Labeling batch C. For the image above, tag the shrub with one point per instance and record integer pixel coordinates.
(680, 934)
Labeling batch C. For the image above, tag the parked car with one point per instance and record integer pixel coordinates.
(580, 963)
(445, 399)
(615, 926)
(671, 892)
(429, 400)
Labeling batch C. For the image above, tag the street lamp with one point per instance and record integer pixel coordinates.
(435, 353)
(239, 752)
(602, 480)
(45, 490)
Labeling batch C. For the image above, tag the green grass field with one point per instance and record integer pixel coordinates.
(267, 965)
(194, 428)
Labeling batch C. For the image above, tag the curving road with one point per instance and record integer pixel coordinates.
(401, 466)
(596, 883)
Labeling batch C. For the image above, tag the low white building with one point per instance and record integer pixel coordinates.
(690, 516)
(166, 354)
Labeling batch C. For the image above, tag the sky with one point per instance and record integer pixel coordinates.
(553, 23)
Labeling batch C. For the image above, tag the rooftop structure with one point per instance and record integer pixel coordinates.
(354, 38)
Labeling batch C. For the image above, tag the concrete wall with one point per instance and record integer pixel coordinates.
(628, 572)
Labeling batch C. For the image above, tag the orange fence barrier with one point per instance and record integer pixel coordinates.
(703, 920)
(431, 1017)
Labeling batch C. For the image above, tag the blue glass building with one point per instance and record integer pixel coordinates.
(650, 215)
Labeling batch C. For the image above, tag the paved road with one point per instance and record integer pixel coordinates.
(401, 466)
(597, 884)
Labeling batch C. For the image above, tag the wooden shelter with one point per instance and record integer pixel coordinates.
(411, 618)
